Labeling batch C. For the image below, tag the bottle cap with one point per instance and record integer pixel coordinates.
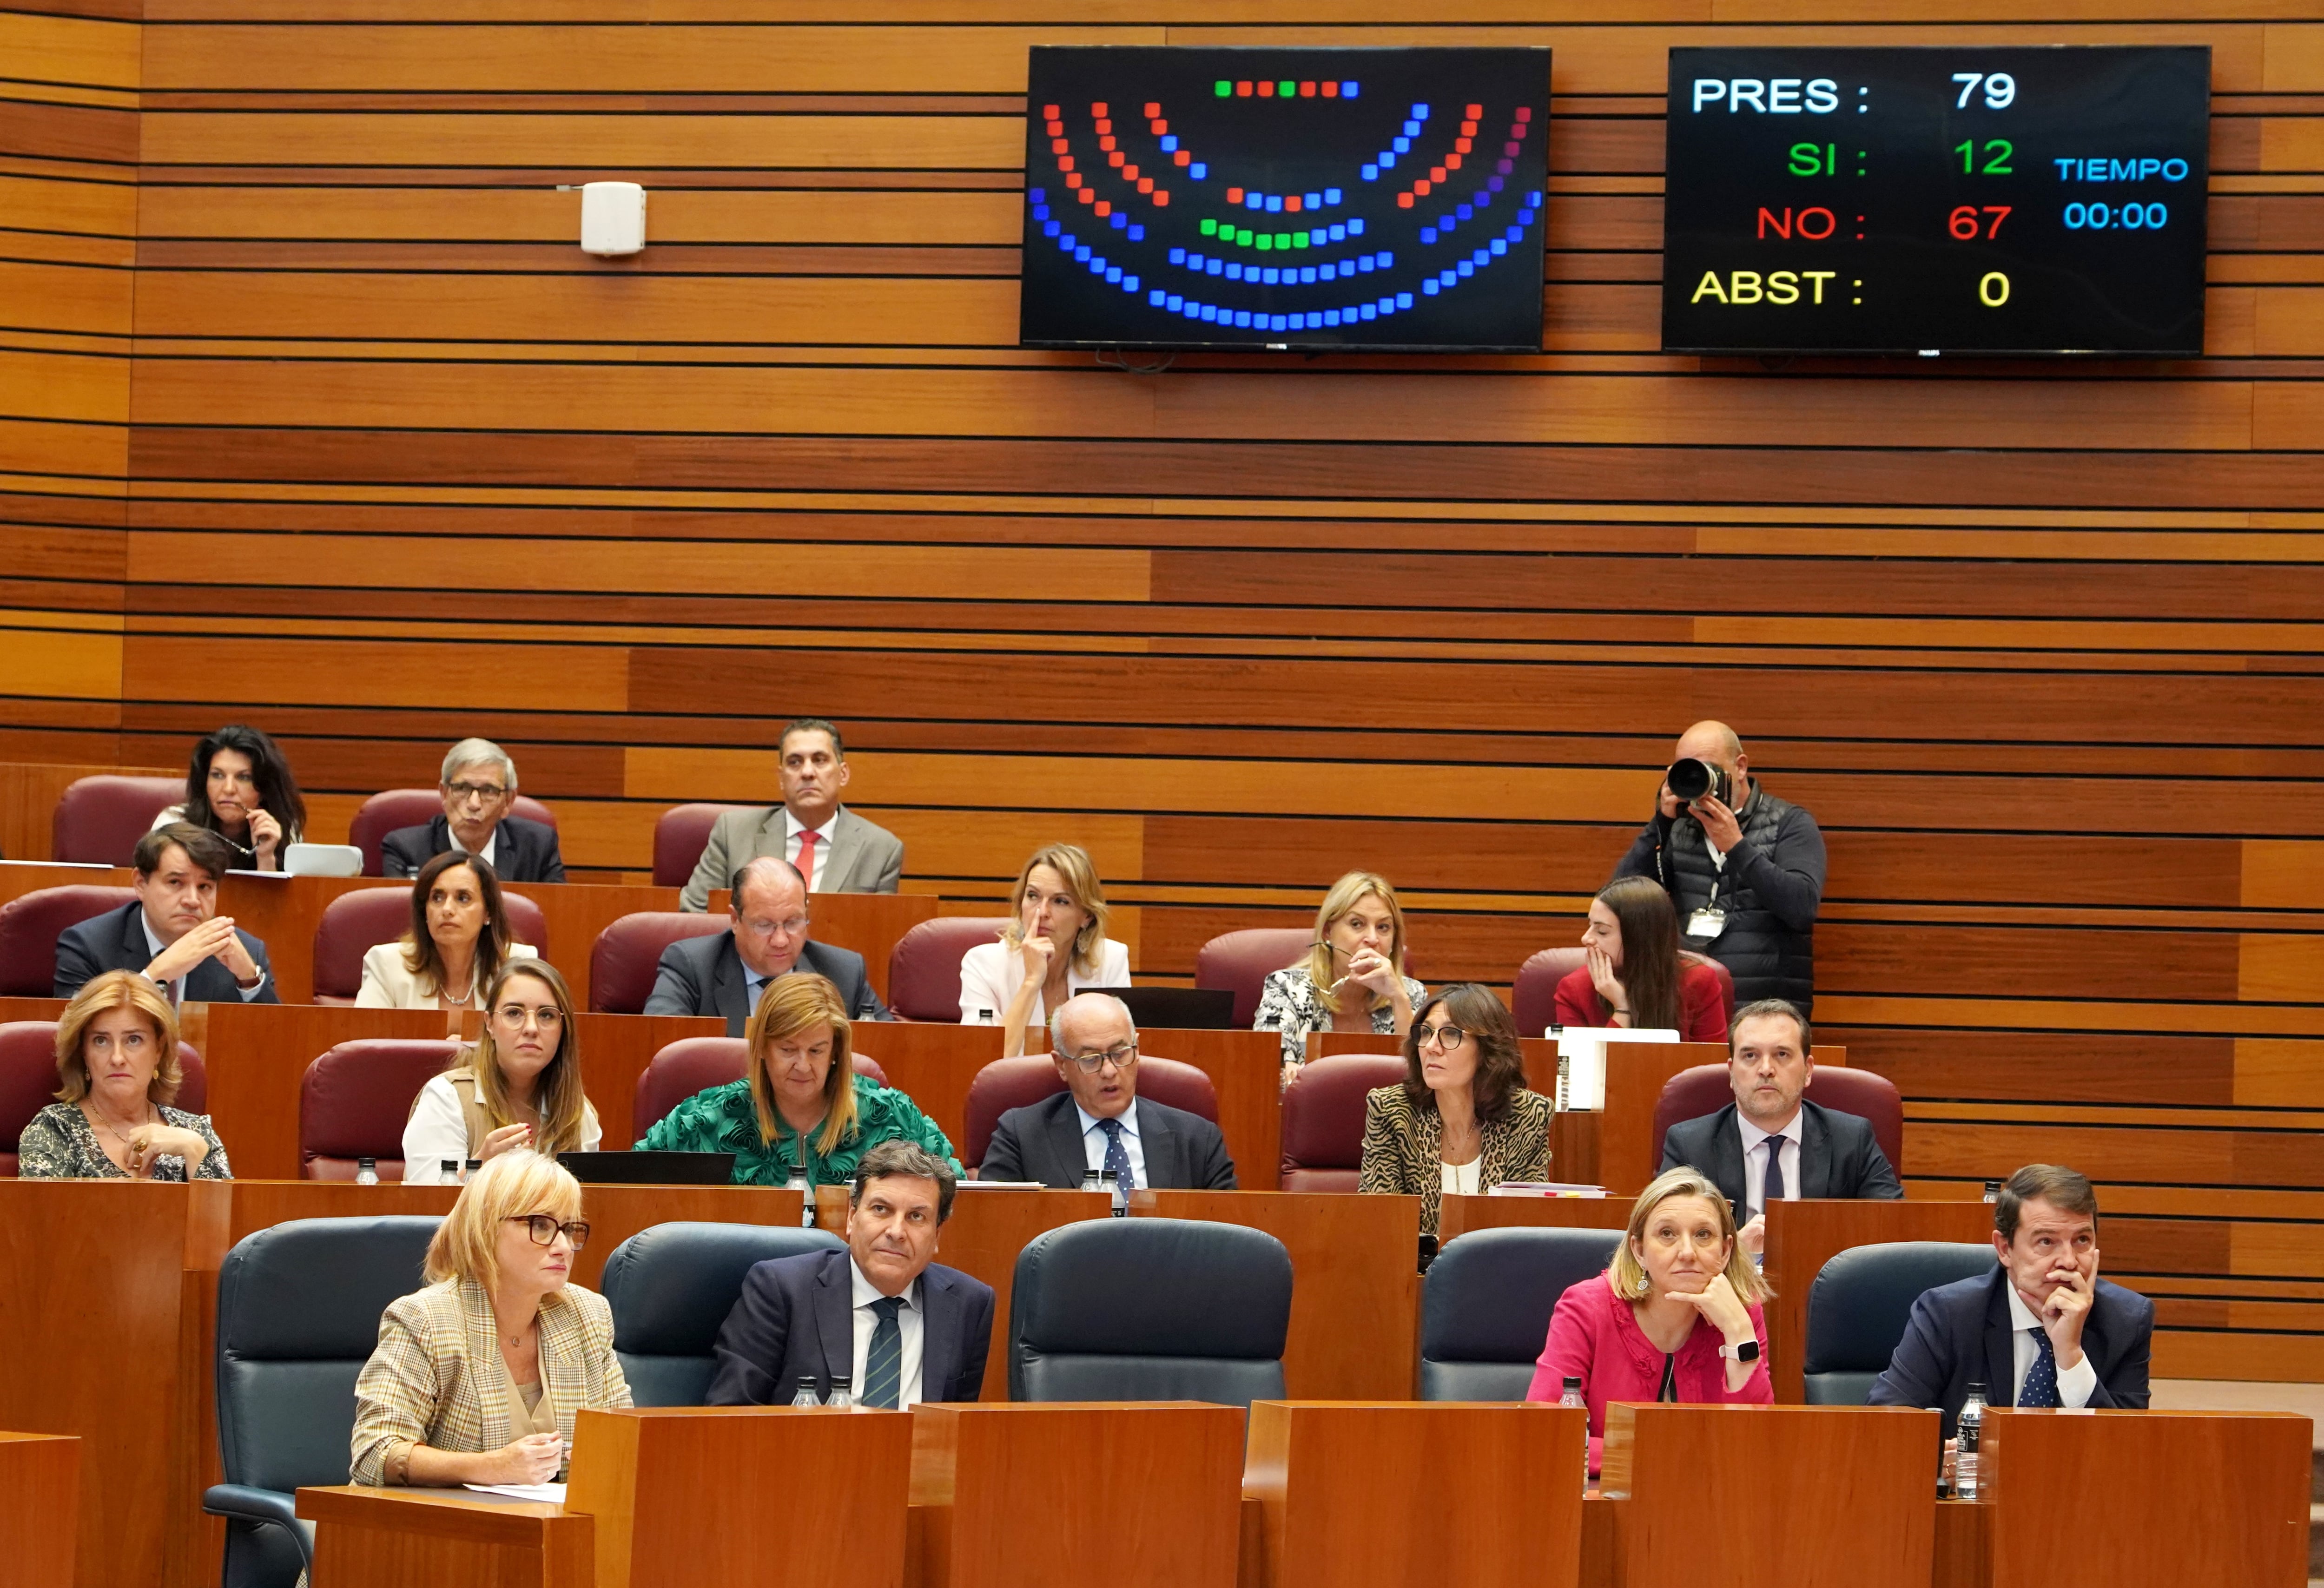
(450, 1165)
(367, 1163)
(1573, 1383)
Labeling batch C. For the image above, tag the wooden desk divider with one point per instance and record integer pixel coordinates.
(40, 1492)
(2146, 1499)
(1071, 1494)
(687, 1496)
(1804, 1235)
(1635, 1074)
(396, 1538)
(1779, 1496)
(1387, 1494)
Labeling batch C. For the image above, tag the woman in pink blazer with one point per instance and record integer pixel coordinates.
(1676, 1316)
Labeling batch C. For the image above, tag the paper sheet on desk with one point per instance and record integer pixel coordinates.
(554, 1493)
(1582, 1062)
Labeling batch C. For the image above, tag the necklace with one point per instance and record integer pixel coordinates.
(96, 1116)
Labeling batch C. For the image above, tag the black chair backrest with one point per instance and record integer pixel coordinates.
(1486, 1302)
(1150, 1309)
(671, 1287)
(1860, 1303)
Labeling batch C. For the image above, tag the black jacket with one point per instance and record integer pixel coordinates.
(1961, 1331)
(1838, 1154)
(115, 941)
(794, 1321)
(522, 850)
(1043, 1141)
(1770, 889)
(704, 976)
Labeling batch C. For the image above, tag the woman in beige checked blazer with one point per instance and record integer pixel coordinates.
(476, 1379)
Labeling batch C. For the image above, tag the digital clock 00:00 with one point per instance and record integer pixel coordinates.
(2129, 217)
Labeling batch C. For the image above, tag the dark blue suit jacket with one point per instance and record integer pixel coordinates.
(793, 1321)
(115, 941)
(522, 850)
(705, 976)
(1961, 1331)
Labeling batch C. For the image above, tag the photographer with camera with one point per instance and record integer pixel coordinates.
(1744, 869)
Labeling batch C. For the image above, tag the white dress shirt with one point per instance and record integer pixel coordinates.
(176, 990)
(908, 1320)
(1754, 1162)
(2075, 1384)
(989, 971)
(792, 828)
(486, 853)
(1093, 1144)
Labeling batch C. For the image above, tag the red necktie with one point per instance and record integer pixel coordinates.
(807, 857)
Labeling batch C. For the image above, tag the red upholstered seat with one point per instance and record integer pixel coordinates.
(99, 820)
(28, 925)
(1536, 993)
(355, 922)
(355, 1099)
(1323, 1119)
(1013, 1083)
(622, 960)
(28, 1082)
(680, 835)
(1705, 1089)
(392, 809)
(924, 970)
(1239, 962)
(696, 1064)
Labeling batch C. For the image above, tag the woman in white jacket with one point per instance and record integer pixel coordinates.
(1054, 947)
(458, 941)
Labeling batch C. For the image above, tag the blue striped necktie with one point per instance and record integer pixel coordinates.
(883, 1364)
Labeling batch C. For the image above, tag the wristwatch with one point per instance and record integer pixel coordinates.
(1748, 1350)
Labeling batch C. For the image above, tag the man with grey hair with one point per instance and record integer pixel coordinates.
(479, 790)
(1099, 1121)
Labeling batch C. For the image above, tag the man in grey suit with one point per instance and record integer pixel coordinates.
(835, 850)
(725, 972)
(1099, 1121)
(1772, 1144)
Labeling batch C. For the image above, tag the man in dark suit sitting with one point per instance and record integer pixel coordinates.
(899, 1327)
(172, 932)
(479, 788)
(1771, 1144)
(2042, 1329)
(725, 972)
(1099, 1121)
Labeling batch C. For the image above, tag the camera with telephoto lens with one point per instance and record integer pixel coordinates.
(1691, 779)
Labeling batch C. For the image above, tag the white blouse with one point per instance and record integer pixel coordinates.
(990, 974)
(387, 984)
(1459, 1179)
(438, 1131)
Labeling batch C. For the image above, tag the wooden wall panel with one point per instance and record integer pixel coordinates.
(314, 414)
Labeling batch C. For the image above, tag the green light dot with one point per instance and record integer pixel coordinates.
(1287, 91)
(1243, 238)
(1224, 89)
(1209, 228)
(1299, 239)
(1265, 242)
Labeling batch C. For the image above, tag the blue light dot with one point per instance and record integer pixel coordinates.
(1274, 204)
(1331, 195)
(1129, 283)
(1347, 90)
(1466, 269)
(1428, 234)
(1175, 303)
(1137, 234)
(1170, 143)
(1500, 245)
(1177, 256)
(1479, 257)
(1404, 300)
(1386, 258)
(1339, 233)
(1401, 145)
(1421, 111)
(1388, 161)
(1355, 228)
(1371, 173)
(1051, 228)
(1037, 196)
(1156, 298)
(1120, 221)
(1429, 286)
(1313, 200)
(1081, 253)
(1198, 170)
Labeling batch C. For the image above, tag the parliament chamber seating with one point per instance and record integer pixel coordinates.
(1703, 1089)
(1241, 962)
(298, 1309)
(1150, 1309)
(1015, 1083)
(671, 1287)
(99, 819)
(1859, 1304)
(1323, 1119)
(680, 835)
(355, 923)
(28, 1081)
(393, 809)
(354, 1101)
(29, 927)
(1486, 1303)
(623, 960)
(696, 1064)
(924, 969)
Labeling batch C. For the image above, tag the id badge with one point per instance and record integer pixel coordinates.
(1706, 923)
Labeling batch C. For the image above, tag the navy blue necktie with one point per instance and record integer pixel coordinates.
(2041, 1386)
(1117, 1156)
(1771, 1187)
(883, 1363)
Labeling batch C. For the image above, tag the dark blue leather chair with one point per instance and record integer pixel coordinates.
(1150, 1309)
(671, 1287)
(297, 1316)
(1486, 1302)
(1859, 1305)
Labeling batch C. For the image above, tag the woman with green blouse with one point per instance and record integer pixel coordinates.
(802, 1088)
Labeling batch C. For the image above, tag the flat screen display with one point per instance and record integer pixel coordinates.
(1954, 199)
(1285, 199)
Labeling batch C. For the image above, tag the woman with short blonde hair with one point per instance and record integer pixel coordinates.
(1053, 946)
(801, 1108)
(117, 1074)
(478, 1377)
(520, 1085)
(1352, 977)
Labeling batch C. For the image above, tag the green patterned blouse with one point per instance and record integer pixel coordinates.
(723, 1120)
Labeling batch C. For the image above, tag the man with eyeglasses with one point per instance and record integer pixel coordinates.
(479, 790)
(724, 973)
(1099, 1121)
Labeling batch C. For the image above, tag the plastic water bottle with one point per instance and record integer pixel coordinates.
(1089, 1181)
(468, 1172)
(806, 1397)
(1993, 1190)
(367, 1171)
(799, 1183)
(450, 1169)
(1111, 1184)
(843, 1394)
(1968, 1432)
(984, 1018)
(1572, 1396)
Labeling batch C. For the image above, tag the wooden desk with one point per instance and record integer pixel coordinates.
(1826, 1495)
(1457, 1216)
(1802, 1236)
(1382, 1495)
(40, 1484)
(2155, 1499)
(1070, 1494)
(1355, 1299)
(396, 1538)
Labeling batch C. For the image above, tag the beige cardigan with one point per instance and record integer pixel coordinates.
(386, 985)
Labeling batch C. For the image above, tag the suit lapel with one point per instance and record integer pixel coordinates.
(1727, 1151)
(2000, 1346)
(486, 1378)
(134, 954)
(730, 993)
(834, 1328)
(1815, 1153)
(940, 1333)
(439, 837)
(1160, 1144)
(846, 847)
(564, 1357)
(1063, 1132)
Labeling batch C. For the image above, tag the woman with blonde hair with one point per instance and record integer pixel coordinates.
(477, 1378)
(518, 1086)
(801, 1108)
(458, 940)
(1054, 947)
(1676, 1315)
(1352, 979)
(117, 1074)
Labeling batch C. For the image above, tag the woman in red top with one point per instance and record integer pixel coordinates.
(1676, 1316)
(1635, 977)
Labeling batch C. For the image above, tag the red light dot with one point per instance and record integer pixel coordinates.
(1162, 197)
(1475, 111)
(1051, 112)
(1115, 158)
(1420, 187)
(1129, 173)
(1524, 113)
(1510, 150)
(1146, 184)
(1098, 109)
(1404, 202)
(1057, 145)
(1104, 208)
(1184, 157)
(1153, 109)
(1234, 195)
(1242, 90)
(1057, 129)
(1462, 145)
(1468, 129)
(1267, 89)
(1064, 162)
(1105, 143)
(1160, 126)
(1331, 89)
(1086, 194)
(1292, 204)
(1436, 174)
(1306, 90)
(1104, 126)
(1452, 161)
